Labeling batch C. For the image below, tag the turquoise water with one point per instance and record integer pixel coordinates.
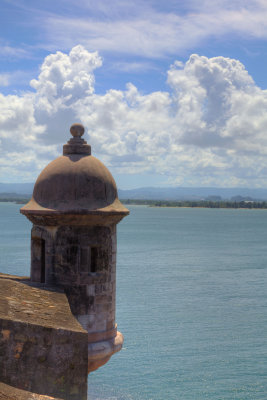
(191, 303)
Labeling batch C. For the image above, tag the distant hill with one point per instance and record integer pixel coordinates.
(160, 193)
(190, 193)
(17, 188)
(12, 195)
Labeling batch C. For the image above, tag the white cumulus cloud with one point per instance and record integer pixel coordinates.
(208, 129)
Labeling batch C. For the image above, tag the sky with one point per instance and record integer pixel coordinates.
(171, 93)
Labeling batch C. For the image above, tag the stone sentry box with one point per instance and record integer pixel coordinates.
(74, 210)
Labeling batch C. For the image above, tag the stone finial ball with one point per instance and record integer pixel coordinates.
(77, 130)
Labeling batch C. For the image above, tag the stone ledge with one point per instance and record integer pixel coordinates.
(10, 393)
(23, 302)
(43, 348)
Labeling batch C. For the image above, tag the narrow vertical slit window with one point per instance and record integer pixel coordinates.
(93, 259)
(42, 261)
(84, 264)
(38, 260)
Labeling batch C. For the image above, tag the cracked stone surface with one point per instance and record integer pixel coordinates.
(43, 348)
(10, 393)
(20, 300)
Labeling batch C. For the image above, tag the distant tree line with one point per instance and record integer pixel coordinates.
(171, 203)
(198, 203)
(14, 200)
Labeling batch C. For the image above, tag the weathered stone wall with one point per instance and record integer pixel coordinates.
(43, 349)
(82, 260)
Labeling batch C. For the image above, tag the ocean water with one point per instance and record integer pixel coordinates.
(191, 303)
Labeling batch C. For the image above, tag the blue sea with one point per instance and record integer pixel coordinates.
(191, 303)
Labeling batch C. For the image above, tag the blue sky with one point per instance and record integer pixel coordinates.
(170, 92)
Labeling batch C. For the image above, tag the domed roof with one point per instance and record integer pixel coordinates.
(75, 183)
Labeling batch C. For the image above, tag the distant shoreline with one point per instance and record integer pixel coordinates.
(224, 204)
(14, 200)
